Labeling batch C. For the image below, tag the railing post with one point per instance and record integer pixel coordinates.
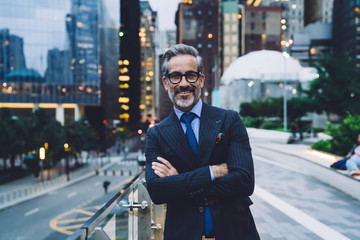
(144, 214)
(158, 221)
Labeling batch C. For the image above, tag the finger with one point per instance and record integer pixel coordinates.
(159, 174)
(165, 162)
(160, 171)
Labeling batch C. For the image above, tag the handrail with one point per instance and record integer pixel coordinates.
(90, 225)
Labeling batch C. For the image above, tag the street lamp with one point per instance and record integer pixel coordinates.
(66, 148)
(286, 55)
(42, 158)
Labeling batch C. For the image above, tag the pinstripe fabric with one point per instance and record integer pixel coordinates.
(185, 193)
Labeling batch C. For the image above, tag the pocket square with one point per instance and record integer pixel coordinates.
(219, 137)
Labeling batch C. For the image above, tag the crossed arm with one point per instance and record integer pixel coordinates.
(233, 178)
(165, 169)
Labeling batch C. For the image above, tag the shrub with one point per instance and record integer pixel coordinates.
(343, 136)
(252, 122)
(271, 125)
(322, 145)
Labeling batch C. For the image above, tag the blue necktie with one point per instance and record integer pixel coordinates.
(187, 119)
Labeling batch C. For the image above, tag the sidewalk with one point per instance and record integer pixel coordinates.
(314, 163)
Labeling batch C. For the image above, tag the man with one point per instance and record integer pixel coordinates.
(201, 168)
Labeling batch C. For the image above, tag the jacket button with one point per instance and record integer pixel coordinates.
(201, 209)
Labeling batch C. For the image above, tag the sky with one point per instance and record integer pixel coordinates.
(166, 12)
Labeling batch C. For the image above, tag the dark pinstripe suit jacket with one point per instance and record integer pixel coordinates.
(185, 194)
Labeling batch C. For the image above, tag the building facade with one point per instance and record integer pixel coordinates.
(262, 28)
(147, 35)
(198, 23)
(50, 55)
(346, 30)
(129, 63)
(231, 33)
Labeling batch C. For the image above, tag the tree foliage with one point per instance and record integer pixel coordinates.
(273, 107)
(337, 89)
(20, 136)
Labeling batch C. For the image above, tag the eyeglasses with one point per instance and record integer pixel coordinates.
(176, 77)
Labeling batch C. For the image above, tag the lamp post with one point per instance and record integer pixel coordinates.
(42, 158)
(286, 56)
(66, 148)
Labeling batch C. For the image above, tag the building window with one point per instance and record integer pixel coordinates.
(187, 25)
(252, 26)
(199, 12)
(252, 14)
(188, 13)
(263, 15)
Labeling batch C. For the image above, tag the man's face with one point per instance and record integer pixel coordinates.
(184, 95)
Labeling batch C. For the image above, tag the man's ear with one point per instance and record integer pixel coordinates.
(202, 80)
(165, 83)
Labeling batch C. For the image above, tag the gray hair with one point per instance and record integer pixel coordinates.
(180, 49)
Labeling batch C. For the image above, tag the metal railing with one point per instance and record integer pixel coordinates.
(129, 215)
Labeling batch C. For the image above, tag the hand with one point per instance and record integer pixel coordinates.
(220, 170)
(347, 156)
(163, 169)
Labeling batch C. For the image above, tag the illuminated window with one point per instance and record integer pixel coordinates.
(124, 78)
(124, 100)
(125, 107)
(124, 86)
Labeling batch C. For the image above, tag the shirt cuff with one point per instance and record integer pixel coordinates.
(211, 174)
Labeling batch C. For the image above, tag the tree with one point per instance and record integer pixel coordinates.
(337, 89)
(12, 138)
(80, 136)
(44, 129)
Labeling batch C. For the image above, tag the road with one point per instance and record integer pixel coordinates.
(58, 214)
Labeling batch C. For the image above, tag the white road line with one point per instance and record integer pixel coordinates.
(31, 212)
(97, 184)
(71, 194)
(299, 216)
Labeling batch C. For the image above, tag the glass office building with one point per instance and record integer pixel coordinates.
(50, 52)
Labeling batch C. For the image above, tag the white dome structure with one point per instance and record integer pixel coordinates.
(262, 74)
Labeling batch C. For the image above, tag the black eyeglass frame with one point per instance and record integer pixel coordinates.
(183, 75)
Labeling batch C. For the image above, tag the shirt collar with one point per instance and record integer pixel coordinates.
(196, 109)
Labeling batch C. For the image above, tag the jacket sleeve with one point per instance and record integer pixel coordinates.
(172, 188)
(240, 179)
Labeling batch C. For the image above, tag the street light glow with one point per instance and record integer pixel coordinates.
(42, 153)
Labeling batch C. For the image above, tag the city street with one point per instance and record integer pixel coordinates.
(289, 202)
(59, 213)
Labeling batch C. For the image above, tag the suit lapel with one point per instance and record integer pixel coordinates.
(210, 125)
(173, 134)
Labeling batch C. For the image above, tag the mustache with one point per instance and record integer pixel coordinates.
(184, 89)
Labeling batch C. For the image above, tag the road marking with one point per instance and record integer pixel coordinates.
(96, 184)
(299, 216)
(71, 194)
(31, 212)
(67, 222)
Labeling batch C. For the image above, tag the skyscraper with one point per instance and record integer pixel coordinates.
(51, 55)
(129, 63)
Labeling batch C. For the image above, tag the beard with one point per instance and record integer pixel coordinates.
(184, 102)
